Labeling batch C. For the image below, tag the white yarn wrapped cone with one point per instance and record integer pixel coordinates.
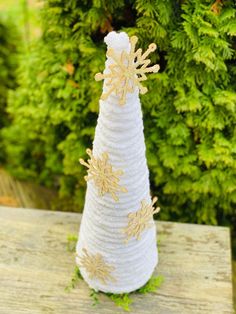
(119, 132)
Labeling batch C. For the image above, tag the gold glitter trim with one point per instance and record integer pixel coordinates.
(101, 172)
(127, 71)
(140, 220)
(96, 267)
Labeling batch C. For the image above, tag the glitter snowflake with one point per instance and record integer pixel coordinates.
(127, 71)
(101, 172)
(96, 267)
(141, 219)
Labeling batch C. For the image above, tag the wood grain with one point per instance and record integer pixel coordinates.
(35, 268)
(17, 193)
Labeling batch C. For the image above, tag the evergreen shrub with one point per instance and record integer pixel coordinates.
(8, 64)
(189, 111)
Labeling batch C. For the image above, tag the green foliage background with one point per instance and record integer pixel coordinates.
(189, 111)
(8, 64)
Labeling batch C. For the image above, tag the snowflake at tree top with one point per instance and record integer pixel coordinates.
(128, 68)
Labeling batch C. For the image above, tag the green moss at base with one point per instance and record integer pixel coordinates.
(123, 300)
(76, 277)
(71, 242)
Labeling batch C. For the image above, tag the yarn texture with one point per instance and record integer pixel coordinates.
(119, 137)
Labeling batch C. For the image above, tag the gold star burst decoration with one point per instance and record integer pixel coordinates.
(141, 219)
(127, 71)
(101, 172)
(96, 267)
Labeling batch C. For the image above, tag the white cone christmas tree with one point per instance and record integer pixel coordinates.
(116, 250)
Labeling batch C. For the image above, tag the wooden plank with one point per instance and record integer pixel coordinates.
(23, 194)
(35, 267)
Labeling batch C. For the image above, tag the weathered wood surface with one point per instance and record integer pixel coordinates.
(16, 193)
(35, 268)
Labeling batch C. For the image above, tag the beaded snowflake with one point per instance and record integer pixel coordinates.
(96, 267)
(101, 172)
(128, 71)
(141, 219)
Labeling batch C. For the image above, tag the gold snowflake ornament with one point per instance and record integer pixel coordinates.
(96, 267)
(101, 172)
(127, 71)
(141, 219)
